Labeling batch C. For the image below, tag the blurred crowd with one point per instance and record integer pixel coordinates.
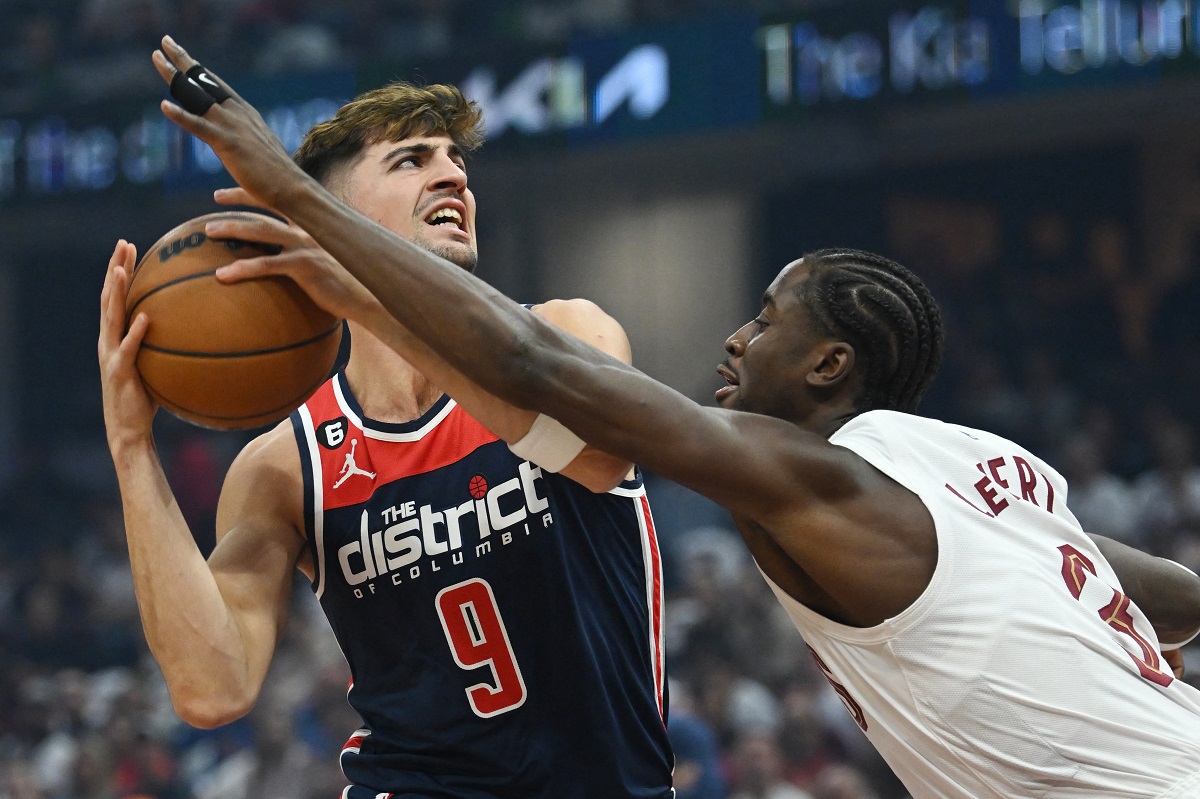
(1066, 346)
(84, 712)
(1073, 346)
(64, 52)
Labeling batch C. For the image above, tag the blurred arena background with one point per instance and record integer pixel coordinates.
(1036, 161)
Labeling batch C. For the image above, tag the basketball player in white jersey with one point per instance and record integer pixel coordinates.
(985, 643)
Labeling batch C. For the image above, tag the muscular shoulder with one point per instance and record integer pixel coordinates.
(569, 309)
(274, 453)
(828, 527)
(790, 466)
(586, 321)
(260, 517)
(265, 481)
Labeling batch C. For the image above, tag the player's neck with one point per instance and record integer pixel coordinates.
(387, 387)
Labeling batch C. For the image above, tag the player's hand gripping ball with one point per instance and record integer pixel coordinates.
(227, 356)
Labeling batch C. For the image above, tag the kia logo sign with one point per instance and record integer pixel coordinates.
(552, 94)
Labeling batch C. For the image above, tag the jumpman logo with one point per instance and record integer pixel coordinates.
(350, 468)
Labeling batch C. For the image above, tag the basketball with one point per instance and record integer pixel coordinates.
(226, 356)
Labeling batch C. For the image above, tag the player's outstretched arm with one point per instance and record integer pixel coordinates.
(496, 343)
(822, 505)
(331, 286)
(212, 630)
(1166, 592)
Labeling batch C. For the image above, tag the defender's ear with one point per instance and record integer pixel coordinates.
(836, 364)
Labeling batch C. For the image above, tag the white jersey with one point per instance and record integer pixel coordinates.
(1022, 670)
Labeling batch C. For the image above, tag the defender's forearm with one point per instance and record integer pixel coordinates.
(512, 354)
(468, 316)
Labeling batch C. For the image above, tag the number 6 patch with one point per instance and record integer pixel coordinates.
(331, 434)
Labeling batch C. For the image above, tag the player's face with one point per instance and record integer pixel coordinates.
(417, 188)
(770, 356)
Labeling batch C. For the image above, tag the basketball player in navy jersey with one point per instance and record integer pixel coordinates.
(984, 643)
(496, 592)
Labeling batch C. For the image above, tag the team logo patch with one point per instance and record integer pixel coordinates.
(478, 486)
(351, 468)
(331, 434)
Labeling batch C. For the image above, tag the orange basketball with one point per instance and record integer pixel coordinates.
(227, 356)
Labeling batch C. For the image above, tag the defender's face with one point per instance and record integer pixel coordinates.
(417, 188)
(767, 363)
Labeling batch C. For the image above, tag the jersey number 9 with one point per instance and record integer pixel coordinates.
(477, 637)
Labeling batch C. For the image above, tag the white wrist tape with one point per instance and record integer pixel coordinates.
(1179, 645)
(548, 444)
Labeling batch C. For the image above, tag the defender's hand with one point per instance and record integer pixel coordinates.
(237, 133)
(128, 409)
(324, 279)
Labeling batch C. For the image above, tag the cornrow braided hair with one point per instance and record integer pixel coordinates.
(887, 314)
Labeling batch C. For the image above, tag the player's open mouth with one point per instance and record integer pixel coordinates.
(731, 382)
(447, 215)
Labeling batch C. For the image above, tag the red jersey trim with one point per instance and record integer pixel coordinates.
(347, 473)
(652, 560)
(367, 457)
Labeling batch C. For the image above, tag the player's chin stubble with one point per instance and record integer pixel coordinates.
(466, 257)
(462, 255)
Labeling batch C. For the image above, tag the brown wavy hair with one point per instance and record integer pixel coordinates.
(393, 112)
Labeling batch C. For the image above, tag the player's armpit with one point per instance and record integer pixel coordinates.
(854, 544)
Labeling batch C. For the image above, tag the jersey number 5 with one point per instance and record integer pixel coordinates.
(477, 637)
(1075, 568)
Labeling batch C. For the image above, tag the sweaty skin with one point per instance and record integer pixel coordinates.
(826, 526)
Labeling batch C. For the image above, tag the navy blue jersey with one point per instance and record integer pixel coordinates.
(503, 625)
